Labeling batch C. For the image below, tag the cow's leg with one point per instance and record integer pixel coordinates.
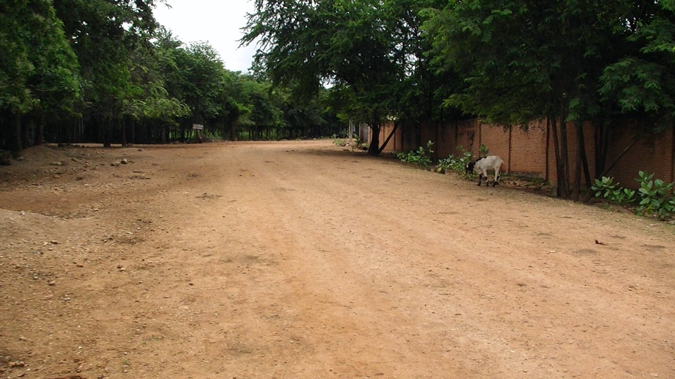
(496, 177)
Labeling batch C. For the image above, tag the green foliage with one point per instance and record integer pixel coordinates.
(38, 68)
(419, 157)
(369, 51)
(358, 144)
(656, 197)
(483, 151)
(565, 61)
(337, 141)
(109, 64)
(456, 164)
(611, 191)
(644, 80)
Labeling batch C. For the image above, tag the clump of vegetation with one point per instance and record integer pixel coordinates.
(456, 164)
(654, 197)
(419, 157)
(483, 151)
(337, 141)
(606, 188)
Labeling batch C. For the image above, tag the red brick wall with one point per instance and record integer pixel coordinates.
(528, 150)
(531, 151)
(467, 136)
(494, 138)
(446, 142)
(653, 154)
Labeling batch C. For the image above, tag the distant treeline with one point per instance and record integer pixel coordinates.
(105, 71)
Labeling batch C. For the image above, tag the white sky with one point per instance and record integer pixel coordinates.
(217, 22)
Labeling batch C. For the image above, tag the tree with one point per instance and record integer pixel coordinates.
(37, 67)
(149, 101)
(524, 60)
(103, 35)
(199, 79)
(643, 79)
(350, 45)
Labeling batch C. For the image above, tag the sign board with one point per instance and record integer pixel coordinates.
(197, 127)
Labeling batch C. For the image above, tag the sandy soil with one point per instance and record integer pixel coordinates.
(306, 260)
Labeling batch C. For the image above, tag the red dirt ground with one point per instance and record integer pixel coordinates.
(305, 260)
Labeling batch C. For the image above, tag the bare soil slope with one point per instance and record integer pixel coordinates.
(305, 260)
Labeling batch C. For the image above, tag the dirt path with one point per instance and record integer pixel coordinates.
(304, 260)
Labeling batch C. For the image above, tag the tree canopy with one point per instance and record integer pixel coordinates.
(363, 50)
(105, 70)
(564, 61)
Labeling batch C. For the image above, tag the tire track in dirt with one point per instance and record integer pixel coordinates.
(302, 260)
(519, 306)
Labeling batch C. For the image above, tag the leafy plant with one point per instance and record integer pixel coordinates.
(420, 157)
(611, 191)
(483, 151)
(456, 164)
(337, 141)
(656, 197)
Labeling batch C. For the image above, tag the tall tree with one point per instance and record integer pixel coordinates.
(37, 67)
(103, 34)
(643, 79)
(348, 44)
(149, 101)
(524, 60)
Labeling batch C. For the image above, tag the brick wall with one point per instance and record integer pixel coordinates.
(496, 139)
(654, 154)
(530, 151)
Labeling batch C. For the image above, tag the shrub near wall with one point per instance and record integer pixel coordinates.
(530, 151)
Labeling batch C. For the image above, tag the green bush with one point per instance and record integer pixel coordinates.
(419, 157)
(456, 164)
(483, 151)
(656, 197)
(611, 191)
(337, 141)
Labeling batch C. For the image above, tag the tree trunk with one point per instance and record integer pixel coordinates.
(25, 127)
(107, 127)
(559, 167)
(133, 131)
(584, 162)
(564, 150)
(39, 132)
(374, 148)
(233, 131)
(576, 189)
(17, 147)
(581, 162)
(124, 130)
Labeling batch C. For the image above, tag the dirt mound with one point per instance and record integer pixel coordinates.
(43, 155)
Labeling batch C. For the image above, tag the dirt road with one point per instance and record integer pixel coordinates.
(305, 260)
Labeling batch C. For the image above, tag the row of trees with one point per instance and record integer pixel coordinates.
(105, 71)
(510, 62)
